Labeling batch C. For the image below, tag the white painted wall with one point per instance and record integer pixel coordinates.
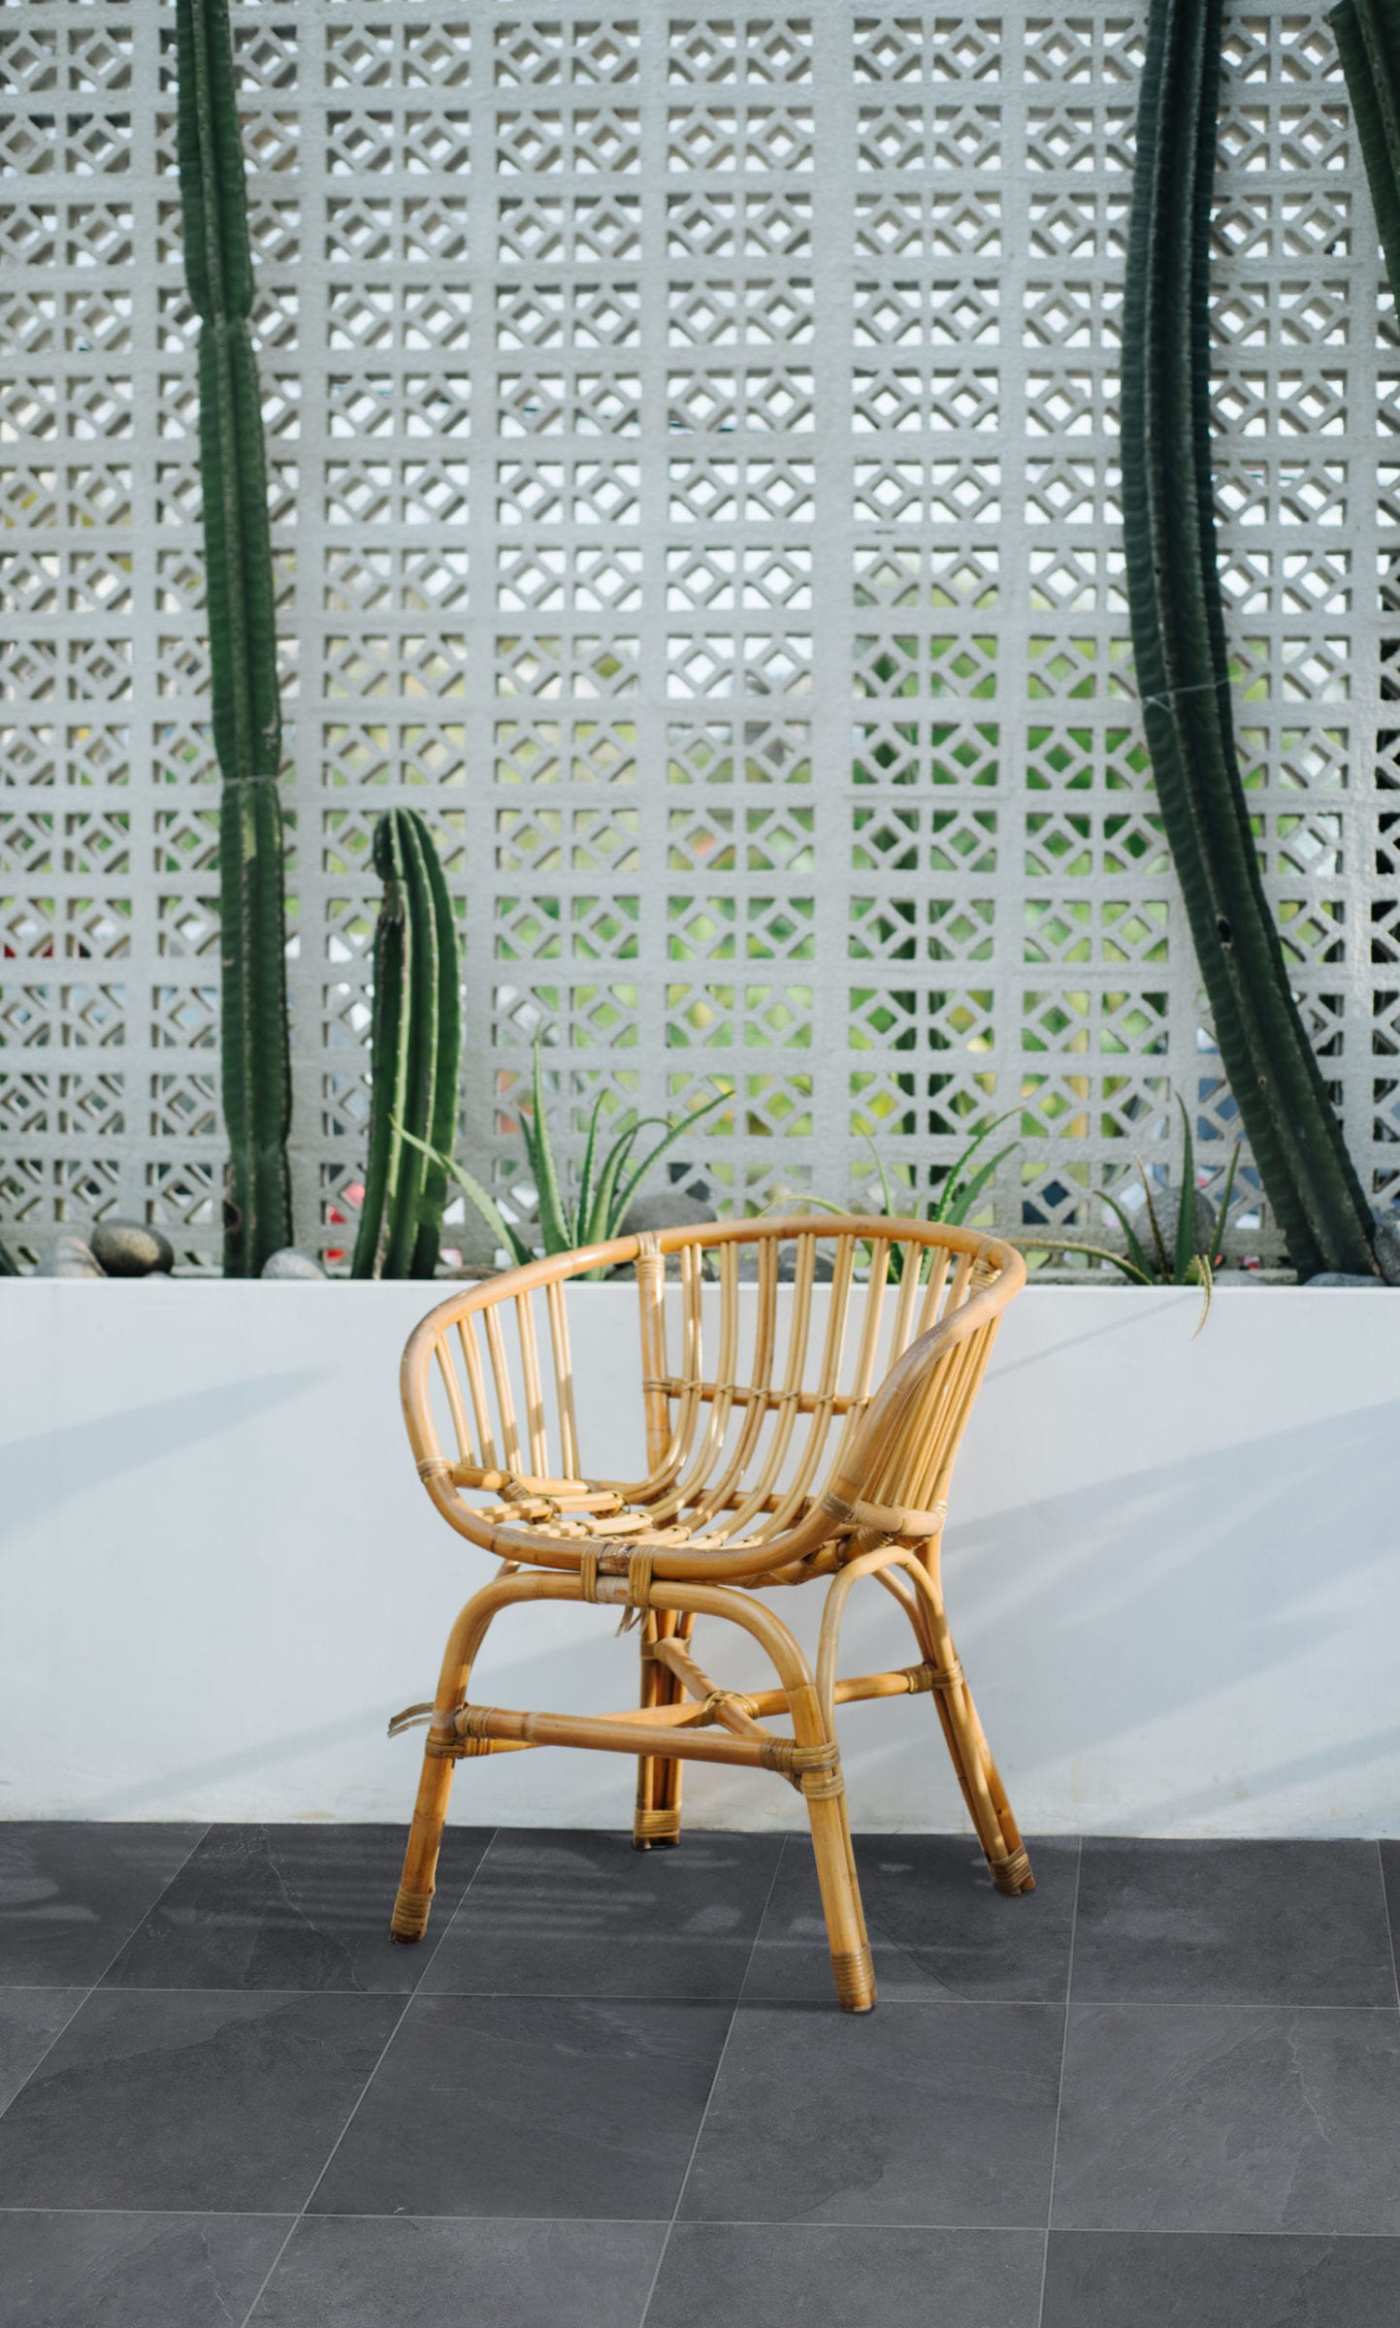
(1173, 1564)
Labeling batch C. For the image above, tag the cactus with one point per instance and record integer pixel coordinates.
(242, 645)
(1368, 42)
(1182, 667)
(415, 1056)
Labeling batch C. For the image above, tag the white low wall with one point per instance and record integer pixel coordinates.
(1172, 1566)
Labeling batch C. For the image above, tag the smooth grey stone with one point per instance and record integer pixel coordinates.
(30, 2019)
(843, 2275)
(1341, 1277)
(418, 2273)
(1229, 2118)
(191, 2098)
(72, 1891)
(569, 1914)
(131, 1249)
(822, 1270)
(292, 1907)
(665, 1208)
(1385, 1244)
(1138, 2280)
(938, 1925)
(530, 2106)
(289, 1263)
(134, 2270)
(70, 1256)
(1232, 1924)
(930, 2114)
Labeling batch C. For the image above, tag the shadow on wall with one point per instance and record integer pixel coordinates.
(1148, 1596)
(40, 1474)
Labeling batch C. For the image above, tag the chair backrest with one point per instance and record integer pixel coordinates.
(775, 1355)
(770, 1406)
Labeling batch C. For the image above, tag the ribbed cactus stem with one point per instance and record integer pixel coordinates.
(415, 1055)
(1368, 43)
(1183, 672)
(242, 644)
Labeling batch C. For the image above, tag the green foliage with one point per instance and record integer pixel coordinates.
(610, 1175)
(1193, 1251)
(1179, 645)
(415, 1056)
(242, 644)
(1368, 43)
(959, 1190)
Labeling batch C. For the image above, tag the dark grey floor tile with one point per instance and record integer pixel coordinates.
(914, 2114)
(1232, 1924)
(189, 2098)
(1390, 1868)
(422, 2274)
(30, 2019)
(71, 1893)
(1100, 2279)
(292, 1907)
(530, 2106)
(938, 1926)
(1230, 2118)
(133, 2271)
(837, 2276)
(558, 1914)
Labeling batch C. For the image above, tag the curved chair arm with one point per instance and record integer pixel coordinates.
(893, 1479)
(440, 1476)
(889, 1480)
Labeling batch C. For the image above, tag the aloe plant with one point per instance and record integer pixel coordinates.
(610, 1175)
(962, 1185)
(415, 1056)
(1182, 668)
(1187, 1253)
(1368, 43)
(242, 644)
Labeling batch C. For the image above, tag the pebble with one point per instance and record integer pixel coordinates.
(70, 1256)
(1386, 1246)
(289, 1263)
(132, 1249)
(665, 1208)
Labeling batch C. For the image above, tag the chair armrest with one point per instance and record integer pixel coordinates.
(893, 1476)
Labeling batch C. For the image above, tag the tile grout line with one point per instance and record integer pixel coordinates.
(762, 1918)
(1060, 2087)
(716, 2223)
(1390, 1928)
(493, 1836)
(300, 2216)
(89, 1993)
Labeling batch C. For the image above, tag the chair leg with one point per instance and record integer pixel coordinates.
(656, 1821)
(851, 1962)
(413, 1903)
(414, 1900)
(977, 1773)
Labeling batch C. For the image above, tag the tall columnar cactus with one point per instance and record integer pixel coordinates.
(1368, 43)
(415, 1056)
(242, 644)
(1182, 668)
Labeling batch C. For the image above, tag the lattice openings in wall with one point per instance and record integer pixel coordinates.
(695, 487)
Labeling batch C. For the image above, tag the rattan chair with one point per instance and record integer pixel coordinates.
(773, 1459)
